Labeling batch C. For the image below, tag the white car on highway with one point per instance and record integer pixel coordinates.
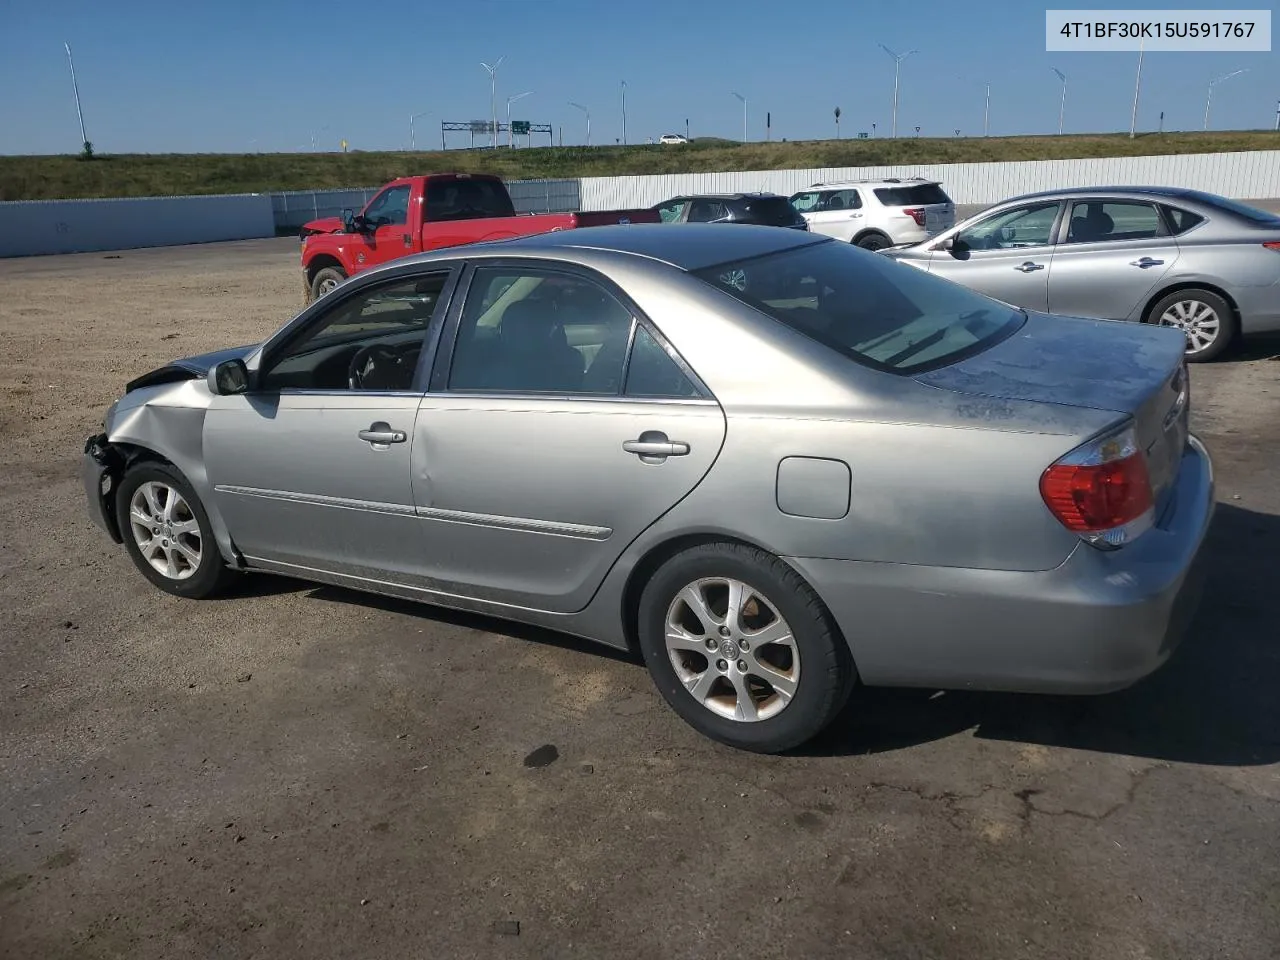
(877, 213)
(672, 138)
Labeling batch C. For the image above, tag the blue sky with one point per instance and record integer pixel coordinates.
(233, 76)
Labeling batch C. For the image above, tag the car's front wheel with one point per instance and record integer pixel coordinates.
(1205, 318)
(325, 281)
(167, 533)
(742, 648)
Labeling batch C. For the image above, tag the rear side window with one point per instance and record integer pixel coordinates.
(1180, 221)
(1097, 221)
(772, 211)
(1242, 210)
(466, 200)
(913, 196)
(652, 371)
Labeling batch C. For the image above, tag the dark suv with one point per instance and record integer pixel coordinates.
(765, 209)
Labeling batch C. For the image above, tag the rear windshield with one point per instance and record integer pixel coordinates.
(773, 211)
(913, 196)
(466, 200)
(868, 307)
(1242, 210)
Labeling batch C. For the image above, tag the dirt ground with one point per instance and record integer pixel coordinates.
(307, 772)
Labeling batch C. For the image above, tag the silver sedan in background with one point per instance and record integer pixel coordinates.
(773, 463)
(1195, 261)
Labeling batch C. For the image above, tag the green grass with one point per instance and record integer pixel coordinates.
(139, 175)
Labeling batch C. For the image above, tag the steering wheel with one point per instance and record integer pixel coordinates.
(384, 359)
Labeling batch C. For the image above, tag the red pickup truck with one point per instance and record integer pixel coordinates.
(414, 214)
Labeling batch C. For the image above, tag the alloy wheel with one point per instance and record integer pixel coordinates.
(732, 650)
(165, 530)
(1195, 318)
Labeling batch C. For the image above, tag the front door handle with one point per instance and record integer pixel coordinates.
(381, 435)
(1145, 262)
(1029, 266)
(408, 239)
(653, 446)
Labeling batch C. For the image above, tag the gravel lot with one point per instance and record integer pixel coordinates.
(307, 772)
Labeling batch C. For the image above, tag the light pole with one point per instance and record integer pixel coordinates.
(84, 138)
(412, 117)
(744, 115)
(1063, 105)
(493, 97)
(986, 110)
(588, 113)
(510, 100)
(897, 62)
(624, 113)
(1212, 84)
(1137, 85)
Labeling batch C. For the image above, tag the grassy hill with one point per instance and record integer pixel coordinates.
(137, 175)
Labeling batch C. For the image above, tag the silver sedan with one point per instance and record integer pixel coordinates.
(1194, 261)
(774, 464)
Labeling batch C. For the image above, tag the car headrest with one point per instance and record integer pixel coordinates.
(530, 324)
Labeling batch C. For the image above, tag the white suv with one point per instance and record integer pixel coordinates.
(877, 213)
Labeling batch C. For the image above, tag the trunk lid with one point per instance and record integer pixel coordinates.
(1127, 368)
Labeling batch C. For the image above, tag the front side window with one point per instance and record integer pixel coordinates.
(390, 208)
(368, 341)
(873, 310)
(1030, 226)
(1097, 221)
(806, 202)
(532, 331)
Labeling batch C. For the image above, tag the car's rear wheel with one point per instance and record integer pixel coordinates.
(873, 241)
(1204, 317)
(326, 280)
(167, 533)
(742, 648)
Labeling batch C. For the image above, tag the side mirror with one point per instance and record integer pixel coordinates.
(229, 377)
(948, 244)
(348, 219)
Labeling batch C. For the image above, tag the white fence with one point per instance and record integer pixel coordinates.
(1251, 175)
(75, 226)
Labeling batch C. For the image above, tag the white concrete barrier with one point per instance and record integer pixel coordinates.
(75, 226)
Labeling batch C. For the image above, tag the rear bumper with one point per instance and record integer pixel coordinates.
(1101, 621)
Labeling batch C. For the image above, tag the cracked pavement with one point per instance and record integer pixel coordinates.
(301, 771)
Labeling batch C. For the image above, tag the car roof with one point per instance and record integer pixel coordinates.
(873, 182)
(689, 246)
(752, 195)
(1113, 190)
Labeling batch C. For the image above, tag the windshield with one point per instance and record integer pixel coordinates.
(873, 309)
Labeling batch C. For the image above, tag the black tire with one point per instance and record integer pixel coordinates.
(1228, 326)
(827, 673)
(873, 241)
(324, 276)
(210, 576)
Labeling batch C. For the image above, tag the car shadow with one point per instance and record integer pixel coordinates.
(1216, 701)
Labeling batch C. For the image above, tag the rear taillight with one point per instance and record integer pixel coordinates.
(916, 214)
(1102, 490)
(1272, 245)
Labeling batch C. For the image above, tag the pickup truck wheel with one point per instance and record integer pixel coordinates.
(325, 281)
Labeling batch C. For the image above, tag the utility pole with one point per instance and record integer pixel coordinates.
(412, 117)
(493, 98)
(1063, 105)
(510, 100)
(84, 137)
(588, 113)
(837, 123)
(986, 110)
(1137, 85)
(897, 62)
(624, 113)
(1213, 83)
(744, 115)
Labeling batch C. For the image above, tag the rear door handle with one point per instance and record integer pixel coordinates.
(653, 446)
(1145, 262)
(1029, 266)
(380, 434)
